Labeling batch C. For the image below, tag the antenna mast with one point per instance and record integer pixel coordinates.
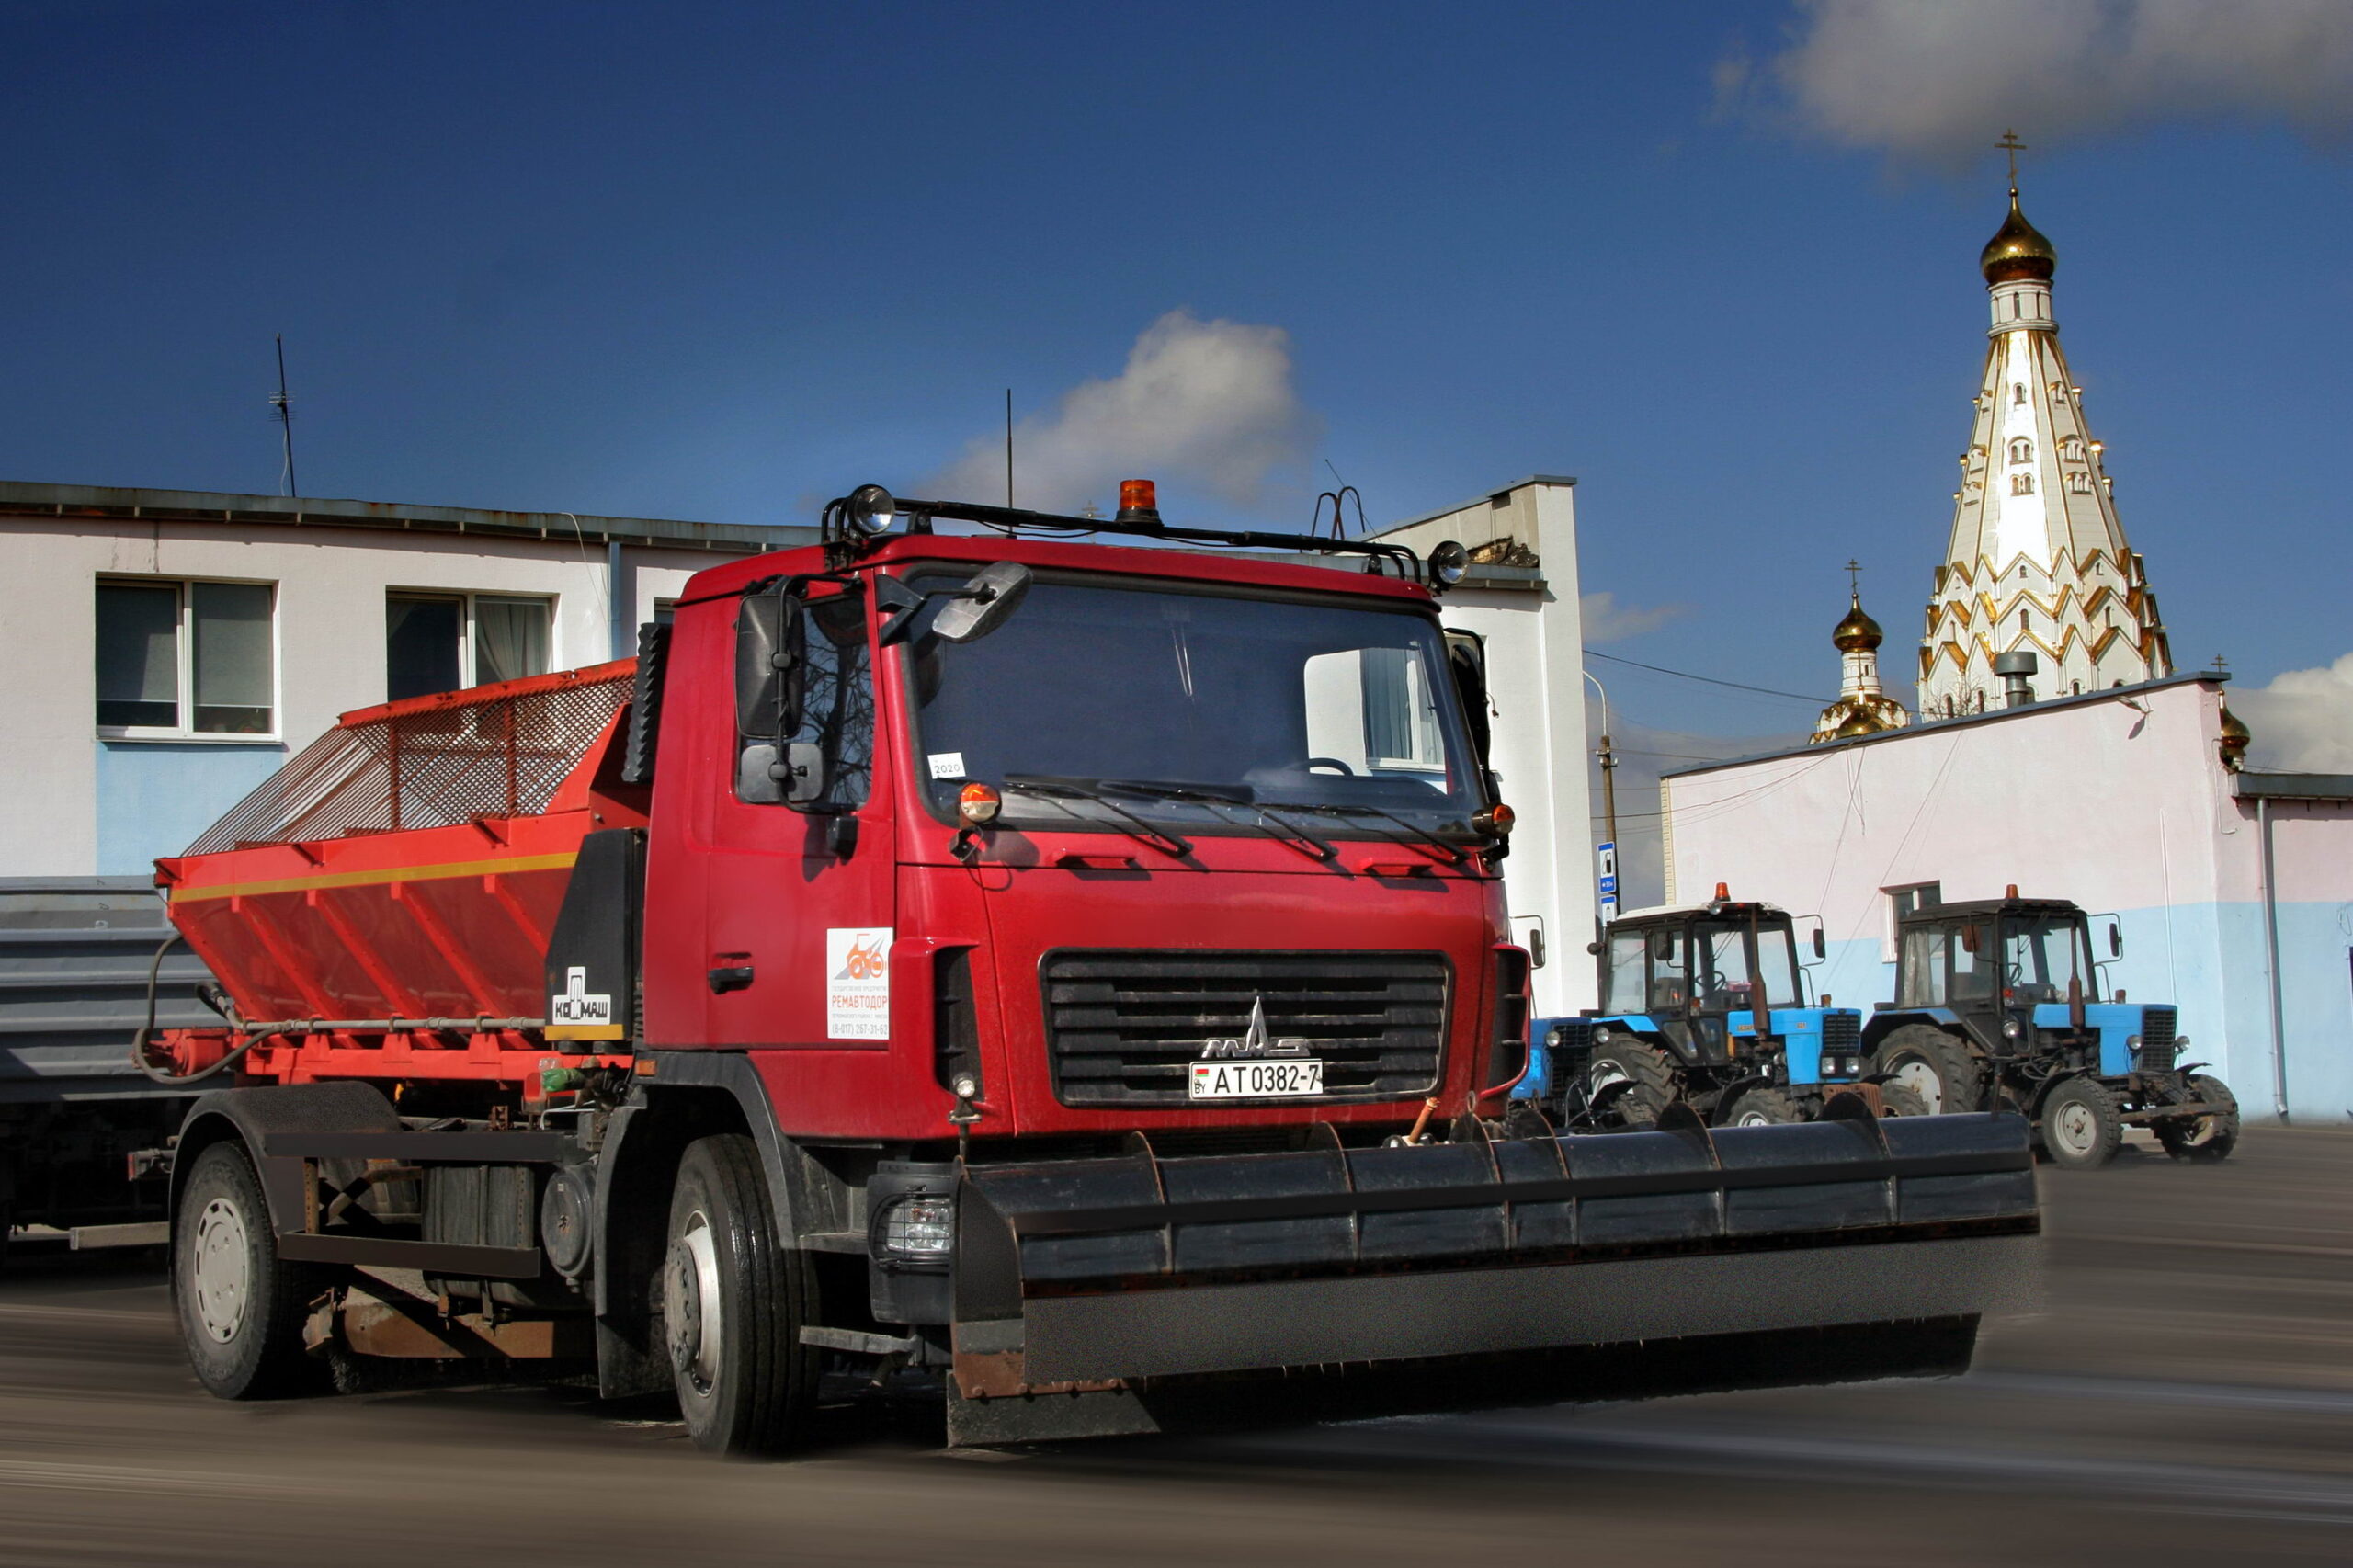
(1008, 448)
(282, 410)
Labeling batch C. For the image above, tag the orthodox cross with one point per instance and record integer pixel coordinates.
(2011, 145)
(1854, 579)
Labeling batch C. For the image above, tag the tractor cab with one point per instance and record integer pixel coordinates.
(1992, 963)
(1695, 975)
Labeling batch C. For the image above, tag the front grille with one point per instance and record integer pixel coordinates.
(2157, 1026)
(1842, 1034)
(1123, 1028)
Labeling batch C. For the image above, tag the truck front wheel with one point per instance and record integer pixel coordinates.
(2082, 1124)
(733, 1298)
(1933, 1065)
(2204, 1138)
(240, 1305)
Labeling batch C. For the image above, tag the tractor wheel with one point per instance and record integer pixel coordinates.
(1632, 1080)
(1900, 1099)
(1933, 1065)
(241, 1306)
(1763, 1108)
(2203, 1138)
(733, 1298)
(2082, 1125)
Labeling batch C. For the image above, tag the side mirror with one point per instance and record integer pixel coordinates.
(1663, 945)
(2116, 939)
(1821, 948)
(789, 775)
(771, 664)
(983, 605)
(1969, 938)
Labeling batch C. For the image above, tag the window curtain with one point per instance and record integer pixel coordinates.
(139, 655)
(510, 639)
(232, 657)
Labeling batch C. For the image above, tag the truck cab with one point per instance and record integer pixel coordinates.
(1999, 1001)
(1680, 999)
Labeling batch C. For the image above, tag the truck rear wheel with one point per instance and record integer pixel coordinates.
(2203, 1138)
(1933, 1065)
(2083, 1127)
(1630, 1079)
(733, 1298)
(241, 1306)
(1762, 1107)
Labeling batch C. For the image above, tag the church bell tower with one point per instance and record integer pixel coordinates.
(2037, 562)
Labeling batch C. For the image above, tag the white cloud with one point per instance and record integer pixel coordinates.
(2304, 720)
(1607, 620)
(1208, 403)
(1939, 78)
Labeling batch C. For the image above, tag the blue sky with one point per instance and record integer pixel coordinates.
(721, 261)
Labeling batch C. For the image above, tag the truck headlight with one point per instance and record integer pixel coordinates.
(914, 1227)
(2010, 1028)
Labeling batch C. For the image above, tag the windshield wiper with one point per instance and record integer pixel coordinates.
(1277, 827)
(1053, 787)
(1453, 852)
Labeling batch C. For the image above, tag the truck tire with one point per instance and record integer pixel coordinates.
(1933, 1065)
(1900, 1099)
(241, 1306)
(1646, 1072)
(1762, 1107)
(733, 1298)
(2205, 1139)
(2083, 1127)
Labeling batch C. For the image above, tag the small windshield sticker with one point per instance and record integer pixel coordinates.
(857, 982)
(578, 1004)
(947, 765)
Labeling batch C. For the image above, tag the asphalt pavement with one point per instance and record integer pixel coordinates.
(2187, 1397)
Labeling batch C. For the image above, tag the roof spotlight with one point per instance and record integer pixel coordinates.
(871, 509)
(1449, 561)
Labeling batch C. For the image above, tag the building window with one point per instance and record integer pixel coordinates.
(2021, 450)
(177, 658)
(2072, 449)
(2079, 482)
(441, 642)
(2021, 485)
(2018, 393)
(1903, 902)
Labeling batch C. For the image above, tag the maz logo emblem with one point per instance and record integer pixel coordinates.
(1254, 1042)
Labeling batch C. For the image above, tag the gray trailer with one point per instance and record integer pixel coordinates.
(75, 1114)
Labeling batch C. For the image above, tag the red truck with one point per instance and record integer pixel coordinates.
(1078, 972)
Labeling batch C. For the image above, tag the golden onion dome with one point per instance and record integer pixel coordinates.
(1861, 721)
(2236, 737)
(1858, 633)
(2018, 250)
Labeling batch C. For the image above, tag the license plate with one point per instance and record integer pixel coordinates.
(1255, 1080)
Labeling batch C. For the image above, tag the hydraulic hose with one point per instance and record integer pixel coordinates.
(139, 1057)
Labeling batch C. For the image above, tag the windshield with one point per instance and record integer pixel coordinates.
(1723, 980)
(1196, 708)
(2039, 958)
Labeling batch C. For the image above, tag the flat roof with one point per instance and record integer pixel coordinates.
(1939, 726)
(20, 499)
(2293, 786)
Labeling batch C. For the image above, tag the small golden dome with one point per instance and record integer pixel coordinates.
(1861, 722)
(2018, 250)
(1858, 633)
(2236, 737)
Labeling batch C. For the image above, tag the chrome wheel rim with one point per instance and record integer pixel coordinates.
(220, 1276)
(2074, 1129)
(691, 1304)
(1920, 1078)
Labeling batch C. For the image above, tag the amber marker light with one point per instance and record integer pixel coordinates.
(1494, 821)
(979, 803)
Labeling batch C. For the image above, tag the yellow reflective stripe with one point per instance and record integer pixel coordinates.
(378, 879)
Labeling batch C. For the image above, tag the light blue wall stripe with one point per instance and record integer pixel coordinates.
(155, 798)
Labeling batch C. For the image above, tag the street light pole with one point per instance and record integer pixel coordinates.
(1608, 762)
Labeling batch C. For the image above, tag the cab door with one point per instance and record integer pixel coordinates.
(799, 896)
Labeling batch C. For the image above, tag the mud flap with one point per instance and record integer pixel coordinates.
(1081, 1281)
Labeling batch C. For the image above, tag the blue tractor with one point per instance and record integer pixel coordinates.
(1997, 1006)
(1680, 990)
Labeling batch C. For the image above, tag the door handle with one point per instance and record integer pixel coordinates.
(733, 977)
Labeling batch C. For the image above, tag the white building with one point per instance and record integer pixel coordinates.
(2037, 561)
(1521, 599)
(167, 649)
(2234, 890)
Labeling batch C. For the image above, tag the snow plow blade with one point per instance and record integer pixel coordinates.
(1101, 1296)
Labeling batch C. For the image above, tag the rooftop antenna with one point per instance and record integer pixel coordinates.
(1342, 491)
(282, 410)
(1008, 448)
